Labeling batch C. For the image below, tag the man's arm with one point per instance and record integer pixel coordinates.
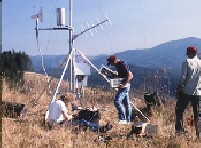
(183, 75)
(64, 111)
(129, 76)
(66, 116)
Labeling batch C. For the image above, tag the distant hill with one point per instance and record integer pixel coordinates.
(169, 55)
(142, 62)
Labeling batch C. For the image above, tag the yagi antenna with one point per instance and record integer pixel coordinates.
(90, 29)
(100, 24)
(83, 30)
(108, 19)
(92, 24)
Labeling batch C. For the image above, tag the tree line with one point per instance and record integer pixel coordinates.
(13, 65)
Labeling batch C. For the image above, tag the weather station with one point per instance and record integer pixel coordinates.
(77, 72)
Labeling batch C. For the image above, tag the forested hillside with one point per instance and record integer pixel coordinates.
(14, 63)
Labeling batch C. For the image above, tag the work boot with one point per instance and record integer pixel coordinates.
(180, 132)
(105, 128)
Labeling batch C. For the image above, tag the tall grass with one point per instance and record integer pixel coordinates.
(27, 132)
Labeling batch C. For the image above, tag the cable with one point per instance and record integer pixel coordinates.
(42, 63)
(108, 37)
(140, 112)
(54, 6)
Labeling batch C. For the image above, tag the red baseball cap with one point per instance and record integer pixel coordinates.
(191, 49)
(112, 57)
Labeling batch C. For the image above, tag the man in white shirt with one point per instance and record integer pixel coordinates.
(58, 114)
(58, 111)
(189, 87)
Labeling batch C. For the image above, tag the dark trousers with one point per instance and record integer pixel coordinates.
(181, 104)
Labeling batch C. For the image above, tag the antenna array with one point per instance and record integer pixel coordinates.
(91, 26)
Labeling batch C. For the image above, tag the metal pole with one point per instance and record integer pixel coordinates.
(71, 64)
(36, 27)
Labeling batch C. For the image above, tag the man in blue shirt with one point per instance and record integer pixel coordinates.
(122, 96)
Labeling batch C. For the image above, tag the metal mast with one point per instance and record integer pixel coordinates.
(71, 64)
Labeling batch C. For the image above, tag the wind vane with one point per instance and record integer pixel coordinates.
(38, 15)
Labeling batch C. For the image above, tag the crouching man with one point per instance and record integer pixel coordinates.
(58, 112)
(58, 115)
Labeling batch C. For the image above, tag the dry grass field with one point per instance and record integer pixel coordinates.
(27, 132)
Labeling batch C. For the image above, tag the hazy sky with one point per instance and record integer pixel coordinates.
(135, 24)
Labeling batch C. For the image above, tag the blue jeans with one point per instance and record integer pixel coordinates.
(92, 126)
(122, 98)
